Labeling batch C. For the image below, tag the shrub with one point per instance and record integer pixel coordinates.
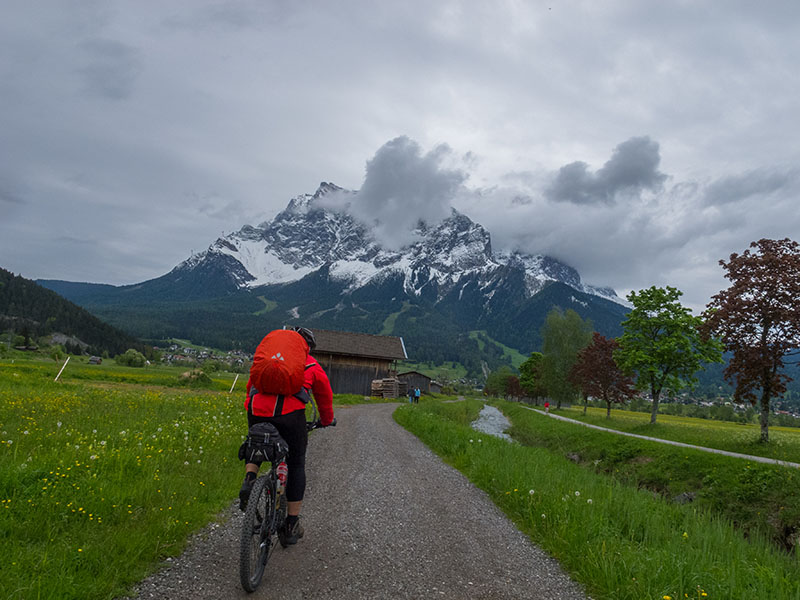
(131, 358)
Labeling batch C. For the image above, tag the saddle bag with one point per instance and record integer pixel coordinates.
(263, 444)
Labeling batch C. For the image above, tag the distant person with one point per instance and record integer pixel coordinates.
(547, 407)
(288, 414)
(411, 393)
(416, 395)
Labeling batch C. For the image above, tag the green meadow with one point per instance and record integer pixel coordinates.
(109, 470)
(608, 513)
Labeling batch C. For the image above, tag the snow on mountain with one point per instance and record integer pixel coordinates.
(307, 235)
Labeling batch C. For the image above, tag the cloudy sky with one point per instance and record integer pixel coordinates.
(639, 141)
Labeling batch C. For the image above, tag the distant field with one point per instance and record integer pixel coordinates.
(514, 355)
(78, 370)
(734, 437)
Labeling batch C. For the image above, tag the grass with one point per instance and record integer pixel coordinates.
(96, 484)
(77, 370)
(101, 479)
(512, 354)
(734, 437)
(761, 499)
(619, 541)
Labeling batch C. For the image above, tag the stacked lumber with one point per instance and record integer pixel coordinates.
(387, 388)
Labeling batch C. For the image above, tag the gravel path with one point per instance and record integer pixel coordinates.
(384, 518)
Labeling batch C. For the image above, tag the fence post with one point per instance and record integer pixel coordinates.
(235, 379)
(62, 368)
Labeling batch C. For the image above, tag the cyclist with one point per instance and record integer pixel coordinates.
(288, 414)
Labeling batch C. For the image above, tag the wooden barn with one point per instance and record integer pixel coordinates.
(353, 360)
(415, 379)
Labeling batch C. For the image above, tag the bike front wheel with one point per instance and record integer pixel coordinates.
(257, 533)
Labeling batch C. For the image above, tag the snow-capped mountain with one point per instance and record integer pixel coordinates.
(307, 236)
(446, 292)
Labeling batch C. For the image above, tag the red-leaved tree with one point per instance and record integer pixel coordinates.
(758, 320)
(597, 374)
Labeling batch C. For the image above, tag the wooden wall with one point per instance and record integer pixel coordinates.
(416, 380)
(352, 374)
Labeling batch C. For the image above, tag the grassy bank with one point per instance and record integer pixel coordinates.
(760, 499)
(619, 541)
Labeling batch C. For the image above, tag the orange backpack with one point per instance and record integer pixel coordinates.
(279, 363)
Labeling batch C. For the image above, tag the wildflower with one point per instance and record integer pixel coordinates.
(532, 492)
(685, 536)
(26, 432)
(58, 423)
(470, 441)
(93, 457)
(577, 493)
(479, 441)
(667, 597)
(543, 515)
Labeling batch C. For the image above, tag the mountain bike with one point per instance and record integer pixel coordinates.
(264, 516)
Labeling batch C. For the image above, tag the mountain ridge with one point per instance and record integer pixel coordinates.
(316, 264)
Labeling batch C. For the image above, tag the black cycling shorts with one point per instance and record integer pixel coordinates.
(292, 427)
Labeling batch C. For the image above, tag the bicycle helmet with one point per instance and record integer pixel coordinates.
(308, 336)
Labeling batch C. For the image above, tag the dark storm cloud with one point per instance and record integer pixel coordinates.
(403, 186)
(632, 168)
(111, 68)
(759, 182)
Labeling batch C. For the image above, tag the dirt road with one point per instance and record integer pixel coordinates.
(384, 518)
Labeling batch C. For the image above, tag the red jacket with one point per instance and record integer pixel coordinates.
(316, 381)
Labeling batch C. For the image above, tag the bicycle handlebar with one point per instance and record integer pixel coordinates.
(318, 424)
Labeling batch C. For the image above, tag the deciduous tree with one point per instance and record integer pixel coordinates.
(596, 373)
(662, 343)
(497, 383)
(564, 334)
(530, 377)
(758, 319)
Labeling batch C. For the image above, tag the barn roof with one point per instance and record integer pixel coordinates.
(359, 344)
(413, 373)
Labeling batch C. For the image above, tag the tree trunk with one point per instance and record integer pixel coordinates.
(608, 410)
(585, 403)
(764, 417)
(655, 393)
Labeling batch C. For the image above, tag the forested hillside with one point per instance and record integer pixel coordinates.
(32, 311)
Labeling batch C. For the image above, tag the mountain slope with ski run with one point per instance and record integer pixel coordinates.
(308, 235)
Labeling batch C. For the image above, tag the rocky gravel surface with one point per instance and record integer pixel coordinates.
(384, 518)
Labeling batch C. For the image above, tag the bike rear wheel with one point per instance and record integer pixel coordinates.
(258, 531)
